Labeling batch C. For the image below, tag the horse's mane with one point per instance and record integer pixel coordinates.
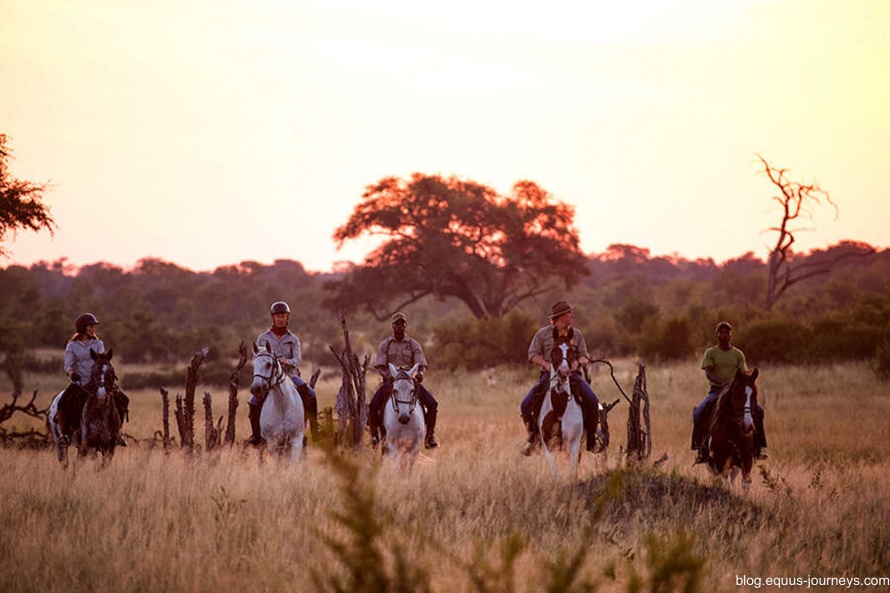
(724, 398)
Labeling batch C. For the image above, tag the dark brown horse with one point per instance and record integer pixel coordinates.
(731, 430)
(100, 425)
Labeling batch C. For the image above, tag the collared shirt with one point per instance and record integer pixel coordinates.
(542, 344)
(286, 347)
(724, 363)
(78, 359)
(403, 354)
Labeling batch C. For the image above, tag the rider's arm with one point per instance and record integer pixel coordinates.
(714, 379)
(539, 360)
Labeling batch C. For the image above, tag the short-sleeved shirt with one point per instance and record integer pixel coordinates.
(287, 347)
(542, 343)
(78, 359)
(724, 362)
(403, 354)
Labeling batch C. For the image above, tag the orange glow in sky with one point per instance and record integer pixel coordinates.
(207, 133)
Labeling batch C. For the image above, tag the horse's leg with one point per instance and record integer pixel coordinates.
(551, 461)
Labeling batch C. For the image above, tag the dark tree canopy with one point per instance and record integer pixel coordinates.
(21, 202)
(447, 237)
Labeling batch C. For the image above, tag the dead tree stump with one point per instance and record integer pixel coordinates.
(639, 441)
(234, 380)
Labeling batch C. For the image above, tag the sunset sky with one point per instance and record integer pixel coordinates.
(209, 132)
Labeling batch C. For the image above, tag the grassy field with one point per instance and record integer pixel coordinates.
(474, 515)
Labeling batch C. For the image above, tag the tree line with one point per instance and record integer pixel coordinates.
(629, 304)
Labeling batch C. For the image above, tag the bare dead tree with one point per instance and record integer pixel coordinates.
(234, 380)
(351, 406)
(796, 200)
(32, 437)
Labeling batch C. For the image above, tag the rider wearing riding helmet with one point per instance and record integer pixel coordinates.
(285, 347)
(561, 318)
(79, 364)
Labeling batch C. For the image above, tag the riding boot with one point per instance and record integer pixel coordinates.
(310, 405)
(533, 441)
(122, 405)
(431, 441)
(759, 437)
(375, 424)
(253, 414)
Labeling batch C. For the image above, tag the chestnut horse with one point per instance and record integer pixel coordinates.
(731, 430)
(560, 421)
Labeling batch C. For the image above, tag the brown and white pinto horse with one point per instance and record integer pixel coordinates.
(560, 421)
(731, 430)
(100, 424)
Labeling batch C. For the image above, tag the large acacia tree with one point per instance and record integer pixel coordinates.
(448, 237)
(21, 202)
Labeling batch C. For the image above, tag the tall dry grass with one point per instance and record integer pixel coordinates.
(474, 515)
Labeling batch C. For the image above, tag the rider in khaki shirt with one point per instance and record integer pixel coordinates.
(403, 352)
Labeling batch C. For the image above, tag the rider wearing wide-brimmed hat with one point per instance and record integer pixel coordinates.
(286, 348)
(561, 319)
(403, 352)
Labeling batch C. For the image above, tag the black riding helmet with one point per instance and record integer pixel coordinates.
(279, 307)
(82, 321)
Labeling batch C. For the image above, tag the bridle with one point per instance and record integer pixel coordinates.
(93, 388)
(276, 377)
(394, 398)
(557, 379)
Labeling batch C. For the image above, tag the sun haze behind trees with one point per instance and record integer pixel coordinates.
(21, 202)
(449, 237)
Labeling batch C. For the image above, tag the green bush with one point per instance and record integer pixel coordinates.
(478, 344)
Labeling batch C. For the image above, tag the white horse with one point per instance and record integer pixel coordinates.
(403, 418)
(282, 420)
(560, 422)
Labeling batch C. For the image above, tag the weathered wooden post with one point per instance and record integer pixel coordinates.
(639, 441)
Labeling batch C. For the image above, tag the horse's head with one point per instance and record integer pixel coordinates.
(742, 395)
(404, 396)
(562, 356)
(102, 375)
(266, 370)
